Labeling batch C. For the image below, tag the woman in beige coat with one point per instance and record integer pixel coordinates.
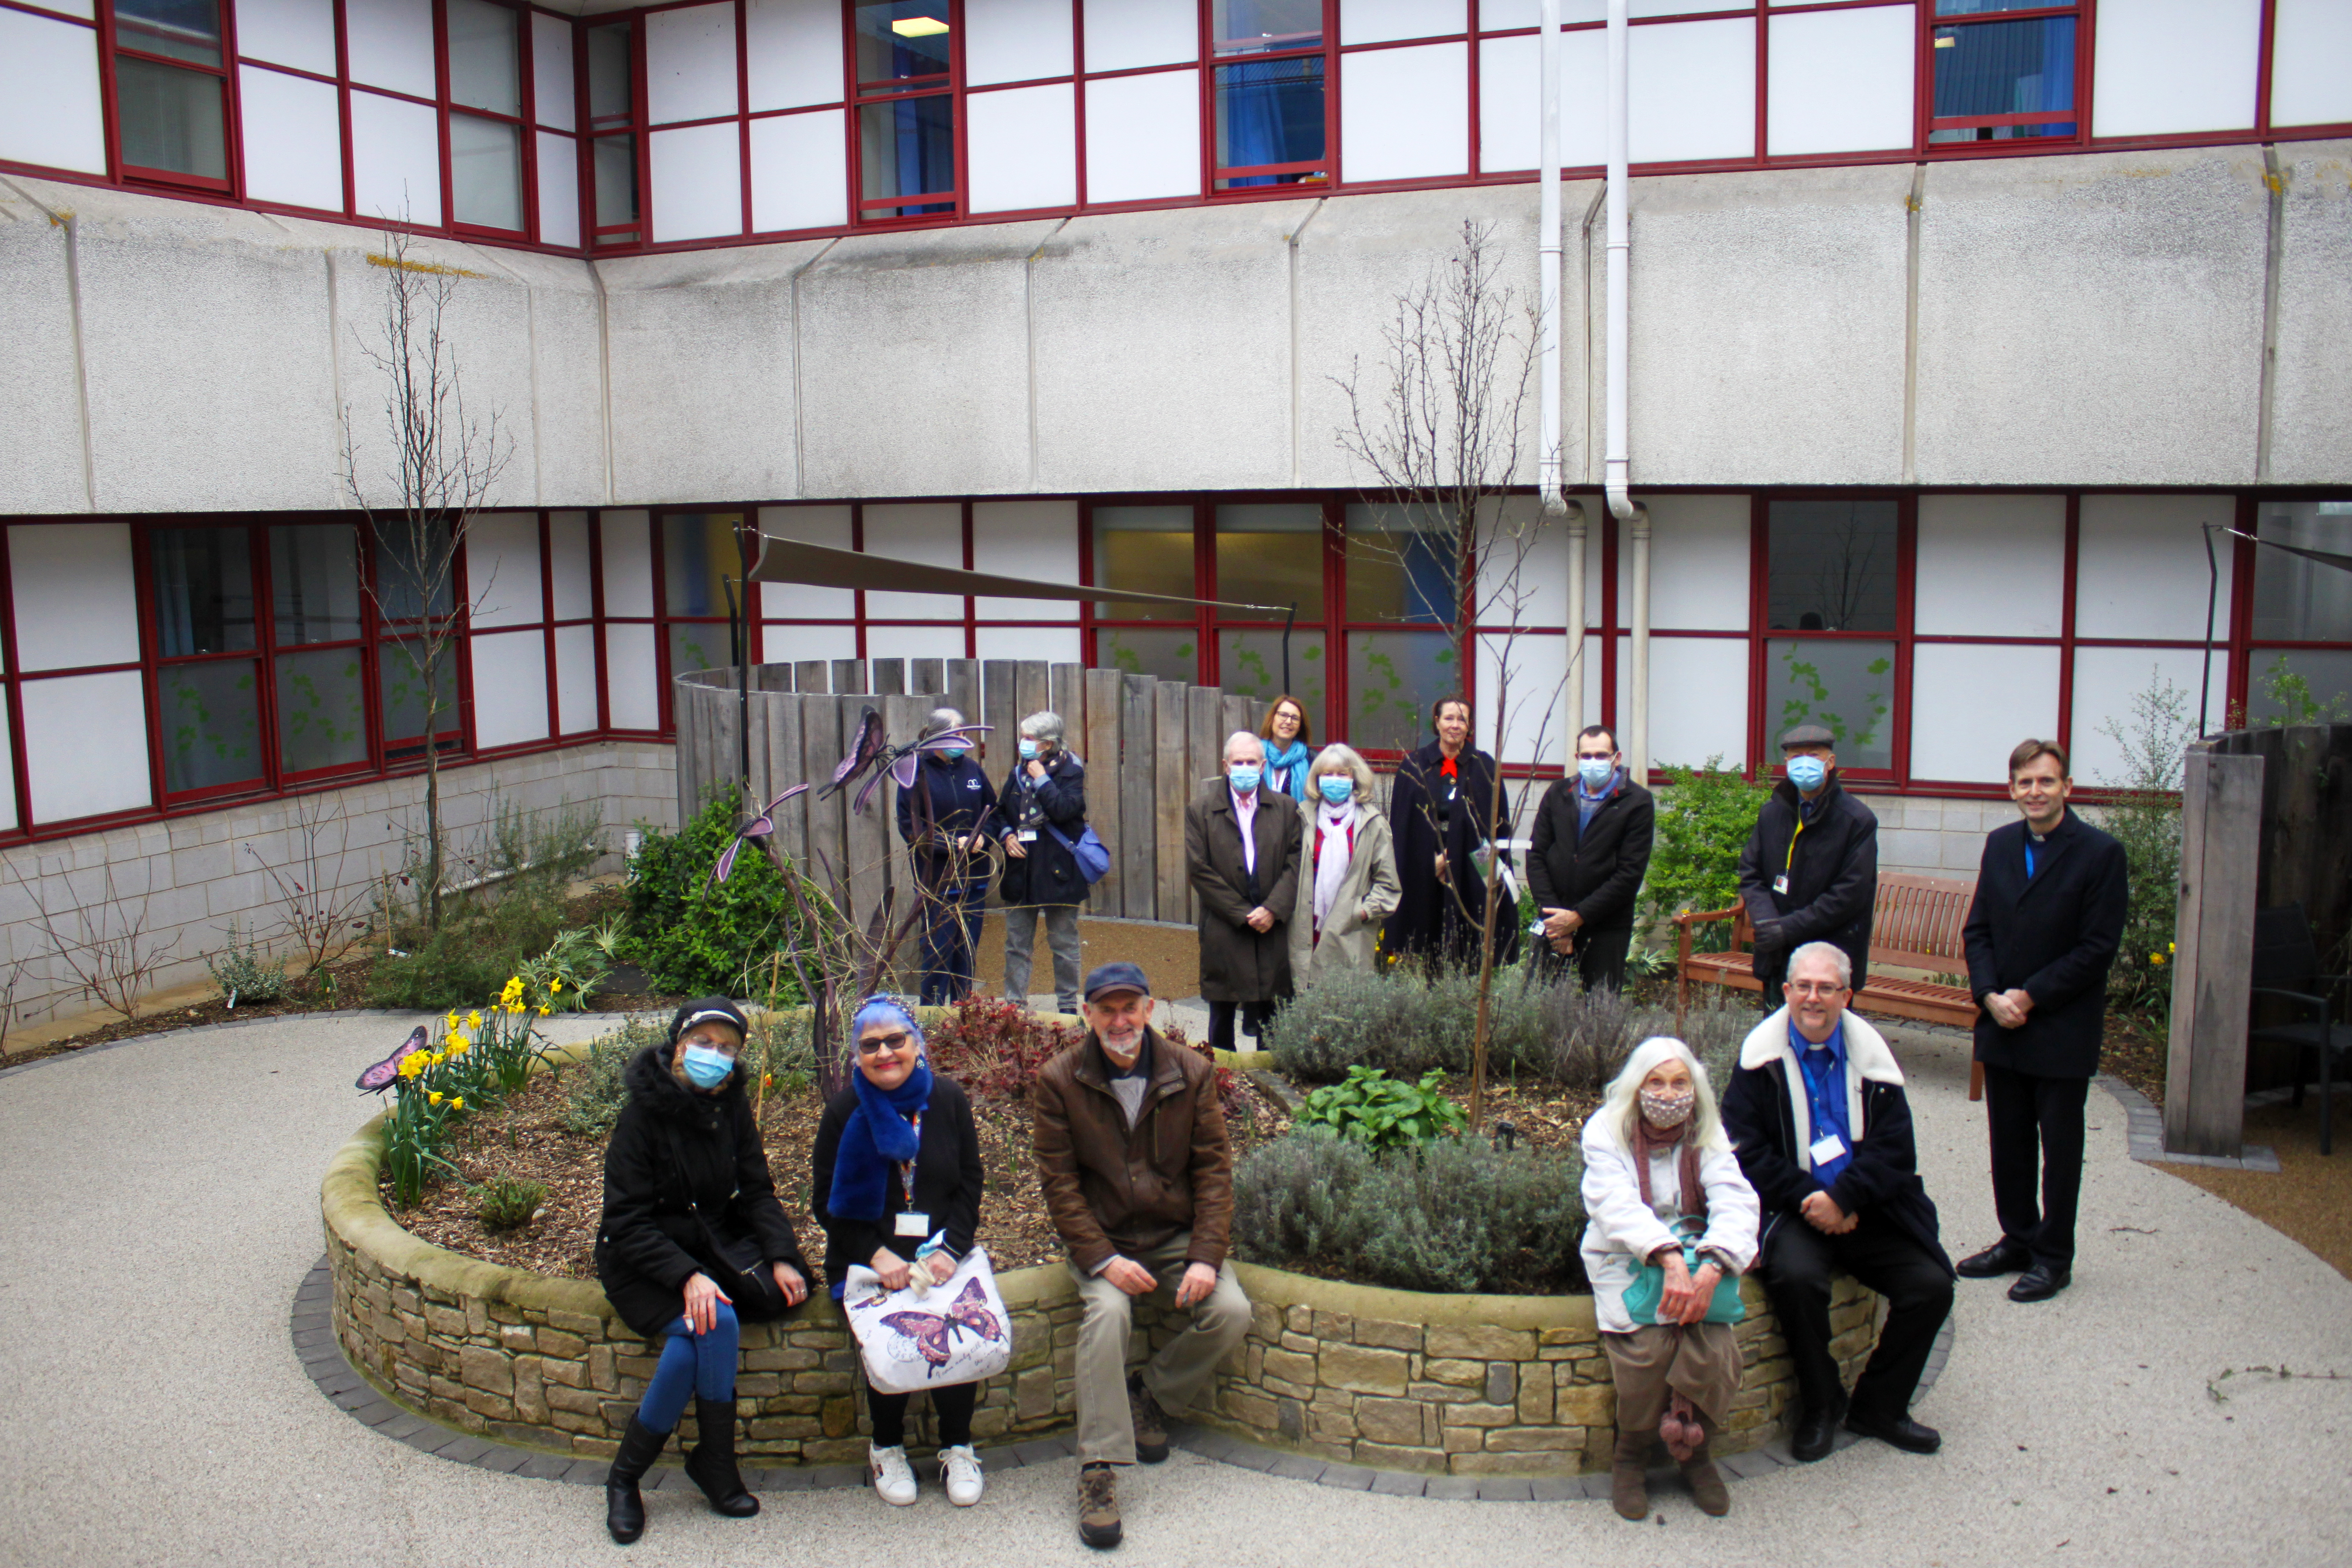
(1348, 872)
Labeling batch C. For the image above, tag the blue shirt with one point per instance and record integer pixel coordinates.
(1824, 1066)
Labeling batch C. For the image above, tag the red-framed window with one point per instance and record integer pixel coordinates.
(699, 559)
(613, 96)
(2296, 613)
(171, 96)
(1830, 625)
(905, 73)
(1271, 120)
(2004, 70)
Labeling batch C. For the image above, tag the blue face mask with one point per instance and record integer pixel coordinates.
(1595, 771)
(951, 754)
(1807, 773)
(1028, 749)
(1336, 787)
(1242, 779)
(707, 1069)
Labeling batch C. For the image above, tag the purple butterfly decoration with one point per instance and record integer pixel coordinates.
(934, 1334)
(759, 826)
(386, 1073)
(898, 761)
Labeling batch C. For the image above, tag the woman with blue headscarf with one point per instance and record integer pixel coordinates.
(895, 1180)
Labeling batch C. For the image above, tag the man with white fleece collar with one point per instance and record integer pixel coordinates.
(1818, 1115)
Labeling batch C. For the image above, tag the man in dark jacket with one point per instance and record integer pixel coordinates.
(1817, 1113)
(949, 820)
(2048, 917)
(1591, 845)
(1241, 853)
(1043, 808)
(1138, 1179)
(1809, 870)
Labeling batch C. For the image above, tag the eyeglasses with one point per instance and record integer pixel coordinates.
(873, 1043)
(1815, 987)
(1595, 756)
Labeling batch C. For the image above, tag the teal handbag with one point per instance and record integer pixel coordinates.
(1649, 1287)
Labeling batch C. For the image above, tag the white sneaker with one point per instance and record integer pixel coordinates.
(961, 1466)
(893, 1478)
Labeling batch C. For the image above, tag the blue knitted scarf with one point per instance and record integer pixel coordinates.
(878, 1133)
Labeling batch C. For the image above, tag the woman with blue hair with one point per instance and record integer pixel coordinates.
(894, 1179)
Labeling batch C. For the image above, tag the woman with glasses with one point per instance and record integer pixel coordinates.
(692, 1242)
(894, 1179)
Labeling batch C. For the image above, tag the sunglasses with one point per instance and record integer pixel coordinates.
(892, 1043)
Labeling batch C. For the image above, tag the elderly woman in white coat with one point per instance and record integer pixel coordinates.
(1348, 885)
(1659, 1176)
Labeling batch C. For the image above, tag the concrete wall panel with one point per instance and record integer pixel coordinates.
(2311, 416)
(40, 402)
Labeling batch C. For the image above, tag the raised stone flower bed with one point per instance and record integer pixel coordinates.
(1392, 1379)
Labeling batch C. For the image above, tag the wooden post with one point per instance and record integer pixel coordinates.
(687, 754)
(1171, 785)
(1138, 791)
(924, 679)
(785, 767)
(722, 753)
(1066, 695)
(1241, 714)
(999, 710)
(2220, 836)
(821, 753)
(889, 676)
(849, 674)
(812, 675)
(1031, 688)
(1204, 744)
(866, 850)
(963, 688)
(1101, 754)
(902, 720)
(754, 711)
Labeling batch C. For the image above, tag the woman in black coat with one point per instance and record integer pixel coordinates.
(1042, 811)
(896, 1117)
(1442, 808)
(692, 1240)
(949, 820)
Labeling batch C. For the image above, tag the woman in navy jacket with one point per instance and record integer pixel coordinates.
(949, 820)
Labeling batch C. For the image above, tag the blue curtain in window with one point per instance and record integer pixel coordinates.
(1273, 113)
(2006, 67)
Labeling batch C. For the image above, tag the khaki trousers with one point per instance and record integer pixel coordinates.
(1175, 1376)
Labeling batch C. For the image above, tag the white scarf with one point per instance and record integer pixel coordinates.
(1332, 854)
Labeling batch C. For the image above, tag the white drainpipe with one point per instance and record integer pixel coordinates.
(1615, 464)
(1548, 253)
(1575, 636)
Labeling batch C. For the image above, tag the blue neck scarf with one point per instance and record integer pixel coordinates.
(1290, 764)
(878, 1133)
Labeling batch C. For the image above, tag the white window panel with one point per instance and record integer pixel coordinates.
(2310, 41)
(1510, 84)
(86, 745)
(551, 83)
(85, 9)
(1015, 40)
(1023, 148)
(915, 642)
(575, 680)
(568, 570)
(1699, 563)
(1035, 540)
(502, 568)
(782, 644)
(395, 159)
(1990, 567)
(1693, 87)
(1385, 21)
(1143, 137)
(2140, 566)
(1534, 708)
(75, 599)
(1584, 99)
(825, 525)
(1497, 15)
(559, 188)
(8, 818)
(297, 33)
(2163, 67)
(2108, 680)
(633, 694)
(391, 44)
(293, 139)
(509, 689)
(1842, 81)
(698, 182)
(628, 564)
(792, 52)
(1055, 645)
(1698, 702)
(931, 532)
(50, 112)
(1123, 34)
(1543, 573)
(1970, 705)
(798, 173)
(1404, 114)
(689, 63)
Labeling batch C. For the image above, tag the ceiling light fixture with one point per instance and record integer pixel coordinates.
(918, 27)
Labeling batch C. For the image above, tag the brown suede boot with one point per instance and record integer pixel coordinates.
(1706, 1483)
(1629, 1481)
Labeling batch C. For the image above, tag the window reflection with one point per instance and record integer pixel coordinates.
(1845, 684)
(902, 40)
(906, 148)
(1271, 555)
(203, 590)
(1400, 566)
(1831, 567)
(1148, 549)
(2004, 71)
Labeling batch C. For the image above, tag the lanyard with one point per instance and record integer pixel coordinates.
(907, 1170)
(1791, 860)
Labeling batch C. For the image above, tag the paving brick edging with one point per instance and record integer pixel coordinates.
(2144, 1129)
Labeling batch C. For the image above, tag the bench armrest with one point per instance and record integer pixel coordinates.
(1690, 918)
(2306, 1000)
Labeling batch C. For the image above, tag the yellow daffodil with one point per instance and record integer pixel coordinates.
(555, 986)
(2156, 958)
(411, 1064)
(434, 1097)
(458, 1103)
(473, 1020)
(459, 1041)
(453, 1020)
(514, 1007)
(542, 1012)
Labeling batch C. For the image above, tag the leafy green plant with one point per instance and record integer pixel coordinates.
(507, 1203)
(2293, 703)
(597, 1093)
(427, 1098)
(1374, 1109)
(1705, 816)
(561, 978)
(244, 972)
(694, 936)
(2145, 820)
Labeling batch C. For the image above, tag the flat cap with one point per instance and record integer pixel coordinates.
(1117, 977)
(1808, 735)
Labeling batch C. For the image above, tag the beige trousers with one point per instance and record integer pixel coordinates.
(1175, 1376)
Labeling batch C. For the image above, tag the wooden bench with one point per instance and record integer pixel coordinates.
(1914, 923)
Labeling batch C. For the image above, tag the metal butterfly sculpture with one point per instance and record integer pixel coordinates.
(752, 828)
(899, 762)
(386, 1073)
(934, 1333)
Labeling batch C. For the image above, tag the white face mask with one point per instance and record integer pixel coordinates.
(1667, 1109)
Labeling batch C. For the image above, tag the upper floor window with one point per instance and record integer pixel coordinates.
(486, 146)
(171, 84)
(906, 112)
(611, 121)
(2004, 69)
(1273, 128)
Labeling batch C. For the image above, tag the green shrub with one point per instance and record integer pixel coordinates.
(2145, 820)
(779, 1048)
(507, 1203)
(1705, 816)
(1591, 1035)
(694, 936)
(1372, 1108)
(245, 973)
(493, 932)
(1296, 1200)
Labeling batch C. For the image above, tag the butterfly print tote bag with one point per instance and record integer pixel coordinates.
(929, 1337)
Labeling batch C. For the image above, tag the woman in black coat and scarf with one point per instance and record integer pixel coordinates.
(1442, 807)
(898, 1119)
(692, 1240)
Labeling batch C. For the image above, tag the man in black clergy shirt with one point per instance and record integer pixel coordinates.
(2048, 917)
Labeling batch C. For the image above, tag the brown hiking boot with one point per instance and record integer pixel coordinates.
(1099, 1505)
(1629, 1481)
(1706, 1483)
(1151, 1421)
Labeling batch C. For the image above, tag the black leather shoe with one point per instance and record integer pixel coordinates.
(2003, 1257)
(1900, 1431)
(2039, 1283)
(1817, 1431)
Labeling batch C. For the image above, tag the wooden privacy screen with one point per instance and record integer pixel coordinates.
(1148, 744)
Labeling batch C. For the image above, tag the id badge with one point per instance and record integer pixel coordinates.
(1027, 835)
(1827, 1147)
(915, 1225)
(1781, 883)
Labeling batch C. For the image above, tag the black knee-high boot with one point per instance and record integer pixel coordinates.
(712, 1462)
(625, 1506)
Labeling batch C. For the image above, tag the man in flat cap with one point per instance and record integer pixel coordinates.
(1809, 870)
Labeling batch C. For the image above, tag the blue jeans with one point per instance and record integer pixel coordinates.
(950, 938)
(698, 1365)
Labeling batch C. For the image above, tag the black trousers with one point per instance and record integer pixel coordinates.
(953, 1405)
(2036, 1125)
(1254, 1015)
(1599, 957)
(1797, 1265)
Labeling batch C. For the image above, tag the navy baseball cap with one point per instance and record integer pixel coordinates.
(1117, 977)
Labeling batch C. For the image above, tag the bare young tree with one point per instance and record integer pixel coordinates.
(443, 465)
(317, 915)
(104, 945)
(1439, 428)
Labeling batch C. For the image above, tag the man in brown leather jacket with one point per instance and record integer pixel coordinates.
(1138, 1178)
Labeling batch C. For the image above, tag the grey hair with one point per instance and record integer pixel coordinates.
(1835, 954)
(1622, 1107)
(1043, 725)
(941, 719)
(1249, 735)
(1336, 758)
